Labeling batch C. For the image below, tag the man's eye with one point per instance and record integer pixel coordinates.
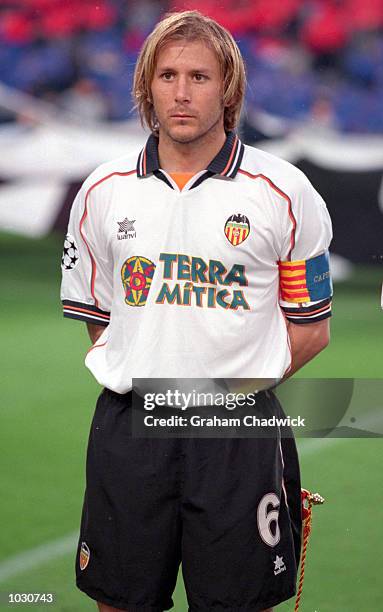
(199, 77)
(166, 76)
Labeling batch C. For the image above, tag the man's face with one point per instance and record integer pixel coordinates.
(187, 91)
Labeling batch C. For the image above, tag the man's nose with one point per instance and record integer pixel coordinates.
(182, 92)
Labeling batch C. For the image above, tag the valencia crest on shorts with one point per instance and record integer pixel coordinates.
(136, 275)
(237, 229)
(70, 254)
(84, 555)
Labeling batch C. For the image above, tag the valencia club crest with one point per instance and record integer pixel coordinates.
(136, 275)
(84, 555)
(237, 229)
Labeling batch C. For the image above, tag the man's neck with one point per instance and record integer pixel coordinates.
(189, 157)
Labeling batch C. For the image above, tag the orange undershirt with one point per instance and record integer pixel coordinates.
(181, 178)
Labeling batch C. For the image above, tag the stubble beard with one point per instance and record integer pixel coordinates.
(195, 138)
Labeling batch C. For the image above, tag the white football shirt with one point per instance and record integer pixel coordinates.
(196, 283)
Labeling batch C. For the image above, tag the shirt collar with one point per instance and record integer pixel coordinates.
(226, 162)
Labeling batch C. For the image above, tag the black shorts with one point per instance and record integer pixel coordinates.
(228, 508)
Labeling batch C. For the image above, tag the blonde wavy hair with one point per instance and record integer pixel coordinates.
(191, 26)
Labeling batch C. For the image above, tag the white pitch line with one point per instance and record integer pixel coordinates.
(34, 557)
(310, 446)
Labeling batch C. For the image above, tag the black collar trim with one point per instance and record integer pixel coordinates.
(226, 162)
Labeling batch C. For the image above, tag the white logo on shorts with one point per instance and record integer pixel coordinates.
(279, 565)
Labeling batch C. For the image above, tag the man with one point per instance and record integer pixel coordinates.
(199, 258)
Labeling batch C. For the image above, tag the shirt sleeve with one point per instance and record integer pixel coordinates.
(304, 270)
(86, 288)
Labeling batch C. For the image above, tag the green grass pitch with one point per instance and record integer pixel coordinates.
(47, 402)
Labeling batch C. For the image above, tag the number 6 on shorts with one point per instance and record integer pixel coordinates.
(266, 517)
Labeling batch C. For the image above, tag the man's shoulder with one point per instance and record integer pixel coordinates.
(284, 175)
(126, 165)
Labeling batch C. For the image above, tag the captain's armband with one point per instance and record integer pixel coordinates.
(306, 289)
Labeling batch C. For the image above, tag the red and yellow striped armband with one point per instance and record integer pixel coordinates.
(305, 280)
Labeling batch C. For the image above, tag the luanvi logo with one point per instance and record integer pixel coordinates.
(279, 565)
(126, 229)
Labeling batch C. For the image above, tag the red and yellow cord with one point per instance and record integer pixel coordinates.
(308, 501)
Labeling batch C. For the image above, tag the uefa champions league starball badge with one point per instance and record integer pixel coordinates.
(70, 254)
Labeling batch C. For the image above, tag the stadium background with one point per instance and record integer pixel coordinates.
(315, 96)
